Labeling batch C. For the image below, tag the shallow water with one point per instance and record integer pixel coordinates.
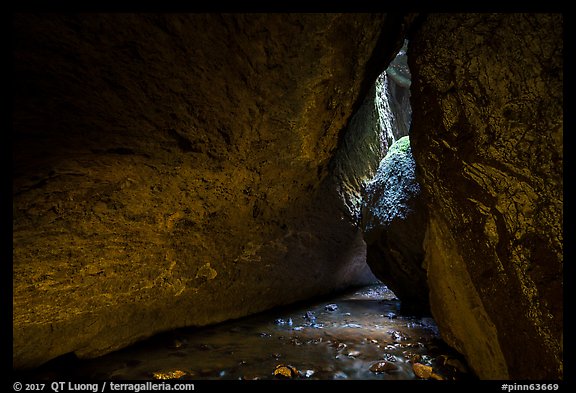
(337, 338)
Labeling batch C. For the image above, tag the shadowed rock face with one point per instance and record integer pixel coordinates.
(171, 170)
(487, 140)
(394, 219)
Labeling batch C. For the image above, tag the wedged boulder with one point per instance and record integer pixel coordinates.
(171, 169)
(486, 136)
(383, 117)
(394, 219)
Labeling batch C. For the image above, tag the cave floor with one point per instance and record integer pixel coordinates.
(358, 334)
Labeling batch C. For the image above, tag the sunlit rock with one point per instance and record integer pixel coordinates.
(394, 222)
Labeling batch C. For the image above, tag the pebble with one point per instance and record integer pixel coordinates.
(331, 307)
(310, 316)
(425, 372)
(390, 358)
(383, 367)
(281, 321)
(285, 371)
(307, 373)
(174, 374)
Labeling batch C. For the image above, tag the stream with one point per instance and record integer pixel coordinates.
(356, 335)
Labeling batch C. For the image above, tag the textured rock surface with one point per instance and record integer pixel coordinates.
(487, 140)
(169, 170)
(394, 219)
(383, 117)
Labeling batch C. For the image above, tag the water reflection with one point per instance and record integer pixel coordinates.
(355, 335)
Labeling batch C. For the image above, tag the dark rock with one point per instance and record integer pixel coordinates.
(309, 316)
(331, 307)
(394, 222)
(487, 138)
(164, 163)
(281, 321)
(383, 367)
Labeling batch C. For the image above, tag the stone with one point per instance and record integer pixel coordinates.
(173, 374)
(394, 218)
(487, 139)
(383, 367)
(175, 170)
(285, 371)
(383, 117)
(422, 371)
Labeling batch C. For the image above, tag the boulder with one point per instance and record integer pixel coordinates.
(394, 221)
(486, 136)
(172, 170)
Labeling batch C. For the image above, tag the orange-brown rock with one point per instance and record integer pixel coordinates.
(486, 136)
(171, 169)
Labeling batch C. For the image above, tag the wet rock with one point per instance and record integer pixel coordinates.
(309, 316)
(397, 336)
(281, 321)
(285, 372)
(383, 367)
(306, 373)
(390, 358)
(340, 375)
(354, 354)
(394, 218)
(421, 370)
(425, 372)
(331, 307)
(392, 315)
(172, 374)
(415, 358)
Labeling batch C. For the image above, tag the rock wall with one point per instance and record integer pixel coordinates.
(487, 139)
(171, 169)
(394, 219)
(383, 117)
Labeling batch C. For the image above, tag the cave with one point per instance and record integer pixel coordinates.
(182, 170)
